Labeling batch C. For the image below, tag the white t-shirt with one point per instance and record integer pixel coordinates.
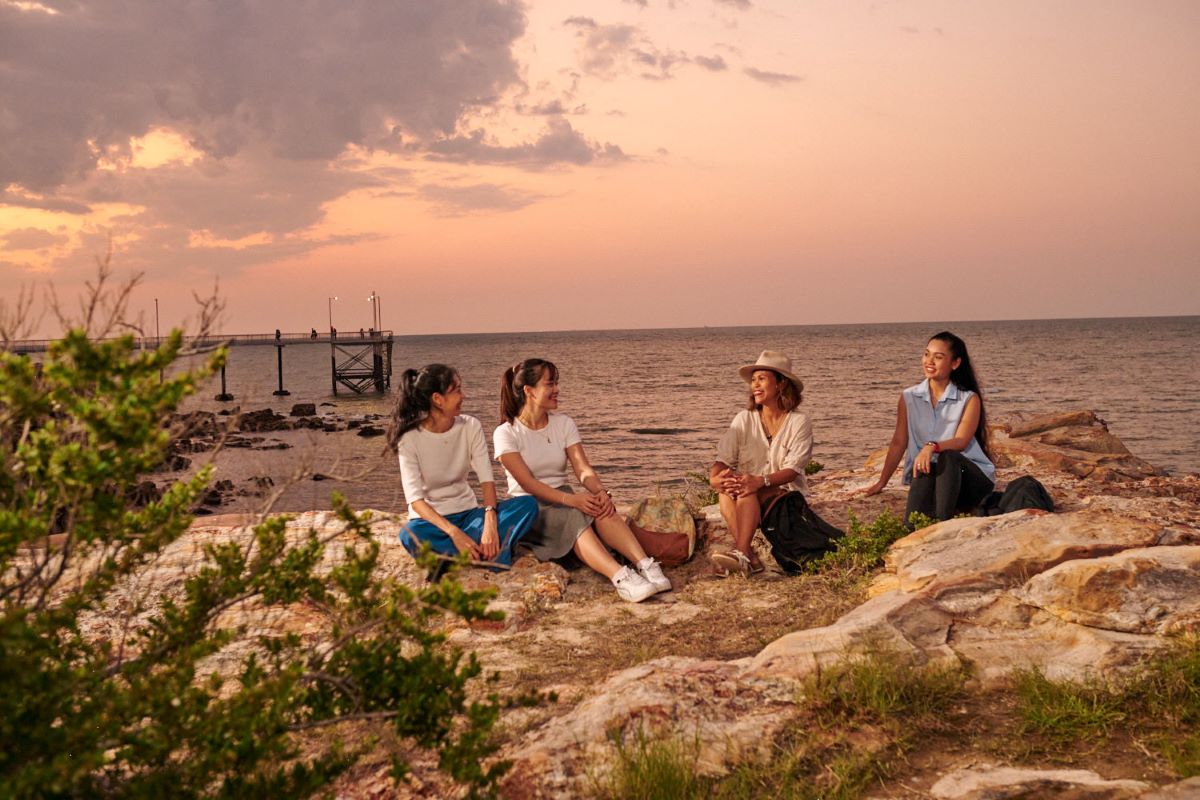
(434, 466)
(544, 450)
(745, 446)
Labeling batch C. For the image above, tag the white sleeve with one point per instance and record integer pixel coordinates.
(727, 445)
(570, 433)
(800, 446)
(481, 465)
(504, 440)
(411, 477)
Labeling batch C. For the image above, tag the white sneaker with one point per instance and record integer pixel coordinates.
(651, 570)
(632, 587)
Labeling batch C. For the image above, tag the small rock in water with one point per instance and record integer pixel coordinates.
(371, 430)
(304, 410)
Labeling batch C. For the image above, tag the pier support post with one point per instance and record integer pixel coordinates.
(224, 396)
(333, 365)
(280, 392)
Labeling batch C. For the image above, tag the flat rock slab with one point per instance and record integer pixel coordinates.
(1145, 590)
(964, 563)
(999, 783)
(895, 622)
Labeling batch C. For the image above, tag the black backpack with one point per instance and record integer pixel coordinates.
(1024, 492)
(797, 535)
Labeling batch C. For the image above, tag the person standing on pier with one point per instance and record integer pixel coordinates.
(538, 448)
(437, 447)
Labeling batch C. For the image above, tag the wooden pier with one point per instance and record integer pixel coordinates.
(359, 361)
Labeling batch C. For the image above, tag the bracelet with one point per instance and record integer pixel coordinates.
(766, 479)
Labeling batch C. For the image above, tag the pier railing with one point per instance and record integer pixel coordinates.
(365, 356)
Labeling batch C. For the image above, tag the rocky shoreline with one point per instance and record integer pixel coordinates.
(1085, 592)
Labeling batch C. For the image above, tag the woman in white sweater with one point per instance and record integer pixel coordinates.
(539, 448)
(437, 447)
(763, 453)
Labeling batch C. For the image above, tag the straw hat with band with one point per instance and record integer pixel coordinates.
(774, 361)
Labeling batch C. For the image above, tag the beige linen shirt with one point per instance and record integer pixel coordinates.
(745, 446)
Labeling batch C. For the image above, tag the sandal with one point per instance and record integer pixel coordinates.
(728, 562)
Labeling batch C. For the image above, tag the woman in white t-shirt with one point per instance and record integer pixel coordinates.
(437, 447)
(763, 453)
(539, 448)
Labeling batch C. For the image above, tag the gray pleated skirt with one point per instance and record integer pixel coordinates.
(555, 530)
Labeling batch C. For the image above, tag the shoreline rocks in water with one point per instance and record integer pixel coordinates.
(1087, 591)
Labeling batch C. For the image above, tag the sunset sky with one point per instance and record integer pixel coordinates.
(499, 166)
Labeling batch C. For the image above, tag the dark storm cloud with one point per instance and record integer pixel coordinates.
(302, 79)
(559, 143)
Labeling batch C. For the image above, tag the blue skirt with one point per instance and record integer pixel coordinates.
(515, 517)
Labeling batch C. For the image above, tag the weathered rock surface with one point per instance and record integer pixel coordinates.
(1077, 442)
(999, 783)
(963, 563)
(1146, 590)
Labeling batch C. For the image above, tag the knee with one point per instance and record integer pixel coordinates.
(951, 458)
(524, 505)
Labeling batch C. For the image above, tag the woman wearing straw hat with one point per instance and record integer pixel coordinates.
(763, 454)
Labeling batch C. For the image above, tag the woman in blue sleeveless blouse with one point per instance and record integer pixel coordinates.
(941, 430)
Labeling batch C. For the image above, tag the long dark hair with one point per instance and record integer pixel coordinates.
(964, 378)
(516, 378)
(417, 388)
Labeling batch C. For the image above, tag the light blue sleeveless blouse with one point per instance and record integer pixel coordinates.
(929, 423)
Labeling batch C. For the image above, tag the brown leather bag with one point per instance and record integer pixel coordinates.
(667, 547)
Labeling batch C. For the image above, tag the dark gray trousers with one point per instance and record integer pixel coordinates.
(955, 485)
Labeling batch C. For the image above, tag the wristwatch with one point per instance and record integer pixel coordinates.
(937, 448)
(766, 479)
(489, 508)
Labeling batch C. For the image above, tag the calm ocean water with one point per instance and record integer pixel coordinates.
(652, 403)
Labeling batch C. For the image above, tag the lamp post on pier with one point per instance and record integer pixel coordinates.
(376, 316)
(331, 299)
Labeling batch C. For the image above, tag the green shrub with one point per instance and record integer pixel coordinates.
(863, 547)
(147, 713)
(813, 467)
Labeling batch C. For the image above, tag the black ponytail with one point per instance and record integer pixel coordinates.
(417, 388)
(516, 378)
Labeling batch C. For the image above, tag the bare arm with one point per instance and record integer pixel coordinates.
(519, 470)
(490, 541)
(430, 514)
(588, 478)
(961, 440)
(895, 449)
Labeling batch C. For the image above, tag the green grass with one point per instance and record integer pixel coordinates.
(651, 769)
(855, 722)
(1063, 711)
(880, 686)
(1160, 702)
